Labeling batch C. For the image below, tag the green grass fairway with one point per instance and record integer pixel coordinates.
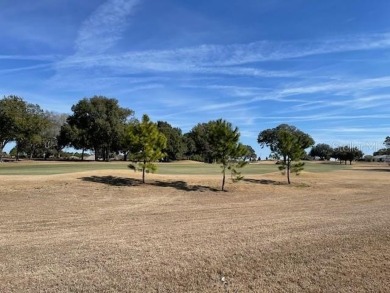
(49, 168)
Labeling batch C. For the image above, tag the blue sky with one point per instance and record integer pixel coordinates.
(322, 66)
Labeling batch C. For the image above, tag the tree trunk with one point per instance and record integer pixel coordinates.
(96, 154)
(288, 172)
(143, 171)
(17, 153)
(107, 154)
(82, 155)
(32, 153)
(223, 178)
(125, 156)
(2, 145)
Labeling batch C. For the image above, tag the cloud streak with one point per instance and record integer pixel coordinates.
(218, 59)
(104, 27)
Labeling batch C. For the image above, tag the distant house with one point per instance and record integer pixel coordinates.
(382, 158)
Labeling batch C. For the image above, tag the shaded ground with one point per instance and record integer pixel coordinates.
(121, 181)
(103, 231)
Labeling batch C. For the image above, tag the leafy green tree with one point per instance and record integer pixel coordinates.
(12, 113)
(147, 145)
(31, 127)
(250, 153)
(176, 144)
(190, 146)
(20, 122)
(71, 135)
(227, 150)
(123, 145)
(289, 143)
(199, 136)
(321, 150)
(97, 123)
(382, 152)
(347, 153)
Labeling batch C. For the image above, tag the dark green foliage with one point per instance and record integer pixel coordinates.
(321, 150)
(198, 140)
(347, 153)
(23, 123)
(289, 143)
(176, 143)
(250, 153)
(387, 142)
(382, 152)
(12, 114)
(147, 145)
(97, 123)
(223, 140)
(30, 135)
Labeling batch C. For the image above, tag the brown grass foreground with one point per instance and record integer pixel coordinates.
(104, 232)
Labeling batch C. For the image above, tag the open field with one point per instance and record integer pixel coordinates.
(103, 231)
(184, 167)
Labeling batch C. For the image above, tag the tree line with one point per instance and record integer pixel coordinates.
(99, 124)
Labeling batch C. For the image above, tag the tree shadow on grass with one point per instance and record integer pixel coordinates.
(372, 170)
(120, 181)
(264, 181)
(181, 185)
(111, 180)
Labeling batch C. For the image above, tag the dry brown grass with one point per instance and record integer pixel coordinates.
(102, 232)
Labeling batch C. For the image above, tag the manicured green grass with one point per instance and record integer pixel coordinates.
(49, 168)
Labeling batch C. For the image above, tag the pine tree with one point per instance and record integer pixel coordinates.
(226, 149)
(147, 144)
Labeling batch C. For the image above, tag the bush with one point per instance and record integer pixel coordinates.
(368, 158)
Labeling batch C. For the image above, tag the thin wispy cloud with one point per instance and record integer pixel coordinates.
(25, 68)
(322, 116)
(355, 129)
(31, 57)
(104, 27)
(217, 59)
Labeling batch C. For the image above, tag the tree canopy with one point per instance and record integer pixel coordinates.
(199, 141)
(176, 143)
(97, 123)
(250, 153)
(12, 109)
(289, 143)
(347, 153)
(321, 150)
